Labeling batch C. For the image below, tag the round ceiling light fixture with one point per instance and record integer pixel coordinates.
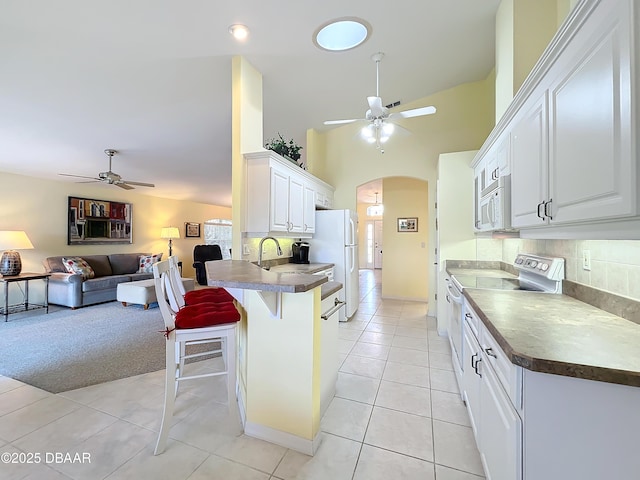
(342, 34)
(239, 31)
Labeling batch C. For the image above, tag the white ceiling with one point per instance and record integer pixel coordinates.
(152, 79)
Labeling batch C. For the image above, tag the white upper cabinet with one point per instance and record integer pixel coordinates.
(592, 171)
(281, 197)
(529, 164)
(573, 155)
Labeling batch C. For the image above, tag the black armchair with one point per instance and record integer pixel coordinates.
(201, 254)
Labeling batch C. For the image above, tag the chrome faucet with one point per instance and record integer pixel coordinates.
(278, 249)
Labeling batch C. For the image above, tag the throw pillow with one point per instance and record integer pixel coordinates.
(146, 262)
(78, 265)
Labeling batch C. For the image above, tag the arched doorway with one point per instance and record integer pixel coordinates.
(395, 234)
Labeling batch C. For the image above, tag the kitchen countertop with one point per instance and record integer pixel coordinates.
(246, 275)
(560, 335)
(481, 272)
(300, 267)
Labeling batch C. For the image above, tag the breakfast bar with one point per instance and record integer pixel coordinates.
(280, 347)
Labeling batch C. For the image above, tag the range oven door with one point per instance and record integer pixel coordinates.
(454, 300)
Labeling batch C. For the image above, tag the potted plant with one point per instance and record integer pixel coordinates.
(288, 149)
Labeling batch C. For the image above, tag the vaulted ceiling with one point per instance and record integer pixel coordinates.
(152, 79)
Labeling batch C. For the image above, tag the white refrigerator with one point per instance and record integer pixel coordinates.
(336, 241)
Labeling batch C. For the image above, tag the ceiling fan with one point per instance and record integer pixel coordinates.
(380, 126)
(110, 177)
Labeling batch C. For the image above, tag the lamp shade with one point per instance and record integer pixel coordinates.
(170, 232)
(10, 241)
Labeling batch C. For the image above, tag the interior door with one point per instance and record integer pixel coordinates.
(377, 244)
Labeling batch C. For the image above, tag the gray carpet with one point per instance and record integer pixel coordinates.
(68, 349)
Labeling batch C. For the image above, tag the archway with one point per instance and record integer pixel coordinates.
(405, 234)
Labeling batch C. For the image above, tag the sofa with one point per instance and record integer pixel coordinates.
(73, 290)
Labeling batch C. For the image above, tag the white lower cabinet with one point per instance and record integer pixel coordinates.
(537, 426)
(496, 424)
(501, 430)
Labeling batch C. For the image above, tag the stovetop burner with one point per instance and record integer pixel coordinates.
(536, 273)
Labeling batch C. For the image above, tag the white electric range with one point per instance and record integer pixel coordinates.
(535, 273)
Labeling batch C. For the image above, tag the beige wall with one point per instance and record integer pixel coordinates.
(39, 207)
(524, 28)
(404, 258)
(462, 122)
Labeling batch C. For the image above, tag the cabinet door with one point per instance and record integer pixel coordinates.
(471, 371)
(309, 225)
(279, 203)
(592, 173)
(500, 432)
(503, 155)
(529, 162)
(296, 204)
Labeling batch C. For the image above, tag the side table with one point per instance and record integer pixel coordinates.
(7, 309)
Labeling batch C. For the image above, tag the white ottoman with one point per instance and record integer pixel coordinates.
(143, 292)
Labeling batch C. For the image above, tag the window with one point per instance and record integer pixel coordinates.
(219, 231)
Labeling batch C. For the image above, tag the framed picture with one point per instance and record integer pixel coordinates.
(97, 222)
(409, 224)
(191, 229)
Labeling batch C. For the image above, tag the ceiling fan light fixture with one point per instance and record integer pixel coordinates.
(341, 34)
(387, 129)
(240, 32)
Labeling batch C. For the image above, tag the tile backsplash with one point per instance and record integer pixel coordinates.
(615, 264)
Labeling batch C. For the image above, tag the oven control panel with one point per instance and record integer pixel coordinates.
(548, 267)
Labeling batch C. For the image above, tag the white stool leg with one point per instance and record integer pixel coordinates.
(169, 394)
(229, 342)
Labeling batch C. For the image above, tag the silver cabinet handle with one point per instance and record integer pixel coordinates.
(338, 304)
(546, 209)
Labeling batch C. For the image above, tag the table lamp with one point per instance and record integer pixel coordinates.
(170, 233)
(10, 241)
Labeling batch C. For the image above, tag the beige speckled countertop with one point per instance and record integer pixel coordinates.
(560, 335)
(246, 275)
(300, 267)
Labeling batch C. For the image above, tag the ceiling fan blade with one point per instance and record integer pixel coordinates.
(341, 122)
(416, 112)
(376, 107)
(139, 184)
(123, 186)
(78, 176)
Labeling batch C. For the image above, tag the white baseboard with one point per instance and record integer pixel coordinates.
(284, 439)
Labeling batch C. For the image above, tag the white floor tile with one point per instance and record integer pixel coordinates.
(20, 397)
(446, 473)
(405, 373)
(411, 332)
(348, 334)
(455, 447)
(376, 337)
(346, 418)
(405, 398)
(440, 360)
(33, 416)
(444, 380)
(335, 459)
(218, 468)
(368, 367)
(357, 388)
(401, 433)
(255, 453)
(408, 355)
(415, 343)
(177, 462)
(381, 328)
(378, 464)
(345, 346)
(449, 408)
(372, 350)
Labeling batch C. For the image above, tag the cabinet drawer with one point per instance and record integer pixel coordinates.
(509, 375)
(472, 319)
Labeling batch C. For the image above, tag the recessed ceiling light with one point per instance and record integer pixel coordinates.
(342, 34)
(239, 31)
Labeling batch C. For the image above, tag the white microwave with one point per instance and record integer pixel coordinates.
(494, 207)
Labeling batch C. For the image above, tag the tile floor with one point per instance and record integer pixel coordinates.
(395, 416)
